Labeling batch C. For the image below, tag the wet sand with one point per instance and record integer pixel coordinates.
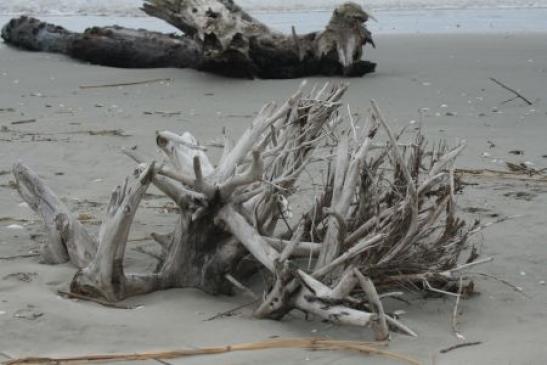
(442, 81)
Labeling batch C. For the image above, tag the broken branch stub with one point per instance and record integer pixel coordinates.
(377, 219)
(104, 276)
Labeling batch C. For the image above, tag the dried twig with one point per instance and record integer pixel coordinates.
(149, 253)
(26, 121)
(124, 84)
(459, 346)
(230, 312)
(400, 326)
(518, 289)
(26, 256)
(278, 343)
(162, 362)
(107, 132)
(519, 95)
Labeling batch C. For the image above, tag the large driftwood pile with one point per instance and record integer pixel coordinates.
(218, 37)
(383, 216)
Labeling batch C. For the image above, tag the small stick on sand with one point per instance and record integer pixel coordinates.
(94, 300)
(459, 346)
(489, 173)
(123, 84)
(518, 289)
(518, 95)
(229, 312)
(162, 362)
(26, 121)
(9, 258)
(149, 253)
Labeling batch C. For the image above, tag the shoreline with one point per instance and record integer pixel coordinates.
(417, 21)
(303, 9)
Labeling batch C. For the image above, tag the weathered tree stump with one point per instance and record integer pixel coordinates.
(383, 216)
(218, 37)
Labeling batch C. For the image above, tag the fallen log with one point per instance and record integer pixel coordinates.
(381, 218)
(109, 46)
(218, 37)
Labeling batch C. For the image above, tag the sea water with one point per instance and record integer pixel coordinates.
(393, 16)
(130, 7)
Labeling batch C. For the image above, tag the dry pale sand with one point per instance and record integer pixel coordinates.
(447, 75)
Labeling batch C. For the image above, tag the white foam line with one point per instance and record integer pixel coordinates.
(131, 7)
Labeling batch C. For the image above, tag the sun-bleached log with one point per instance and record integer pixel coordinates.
(110, 46)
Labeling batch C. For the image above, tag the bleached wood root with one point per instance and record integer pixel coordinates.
(68, 240)
(381, 328)
(301, 249)
(249, 237)
(400, 326)
(347, 176)
(376, 218)
(104, 276)
(337, 314)
(315, 298)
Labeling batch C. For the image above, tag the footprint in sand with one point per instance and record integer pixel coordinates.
(25, 277)
(30, 313)
(521, 195)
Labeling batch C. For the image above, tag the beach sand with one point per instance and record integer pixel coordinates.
(442, 81)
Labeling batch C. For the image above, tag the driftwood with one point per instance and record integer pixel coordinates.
(218, 37)
(381, 218)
